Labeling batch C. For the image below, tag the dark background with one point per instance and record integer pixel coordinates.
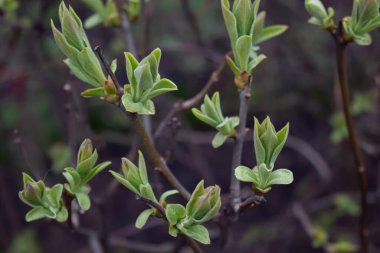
(41, 125)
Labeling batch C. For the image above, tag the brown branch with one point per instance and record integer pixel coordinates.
(156, 158)
(341, 62)
(153, 204)
(99, 52)
(189, 103)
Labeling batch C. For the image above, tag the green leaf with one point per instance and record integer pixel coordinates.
(83, 167)
(146, 107)
(90, 64)
(259, 148)
(131, 64)
(39, 213)
(230, 21)
(233, 66)
(27, 179)
(166, 194)
(162, 86)
(93, 21)
(282, 136)
(77, 71)
(83, 200)
(143, 218)
(62, 215)
(64, 46)
(143, 78)
(56, 194)
(96, 92)
(72, 177)
(268, 33)
(198, 233)
(243, 47)
(280, 176)
(202, 117)
(219, 139)
(174, 213)
(147, 192)
(245, 174)
(243, 15)
(124, 182)
(94, 171)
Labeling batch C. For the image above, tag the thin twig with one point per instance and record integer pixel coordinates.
(152, 203)
(98, 50)
(189, 103)
(156, 158)
(238, 147)
(341, 62)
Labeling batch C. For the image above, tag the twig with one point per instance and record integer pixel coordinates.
(341, 62)
(98, 50)
(238, 147)
(154, 204)
(189, 103)
(251, 201)
(156, 158)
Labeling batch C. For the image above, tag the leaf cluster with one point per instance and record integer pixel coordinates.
(211, 114)
(268, 145)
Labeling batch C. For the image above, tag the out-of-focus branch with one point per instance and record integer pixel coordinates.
(189, 103)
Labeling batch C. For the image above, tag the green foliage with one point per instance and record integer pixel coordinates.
(320, 237)
(45, 202)
(203, 205)
(86, 169)
(211, 114)
(60, 155)
(145, 83)
(135, 178)
(133, 9)
(246, 29)
(104, 13)
(343, 246)
(268, 145)
(81, 59)
(25, 242)
(8, 8)
(319, 15)
(364, 19)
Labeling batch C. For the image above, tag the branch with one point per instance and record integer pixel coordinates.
(156, 158)
(189, 103)
(153, 204)
(99, 52)
(238, 147)
(341, 63)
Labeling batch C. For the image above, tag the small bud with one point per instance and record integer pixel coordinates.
(242, 80)
(204, 204)
(32, 193)
(85, 150)
(109, 87)
(268, 143)
(316, 9)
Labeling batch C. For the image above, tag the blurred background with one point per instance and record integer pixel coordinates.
(43, 120)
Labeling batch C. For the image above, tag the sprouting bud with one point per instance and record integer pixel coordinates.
(135, 178)
(204, 204)
(316, 9)
(32, 193)
(268, 143)
(85, 150)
